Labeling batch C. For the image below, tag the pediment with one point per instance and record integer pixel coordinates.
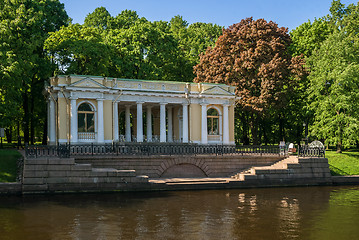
(87, 83)
(216, 90)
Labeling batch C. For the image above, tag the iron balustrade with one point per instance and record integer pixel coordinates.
(308, 151)
(67, 150)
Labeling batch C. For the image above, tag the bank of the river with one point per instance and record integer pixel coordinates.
(9, 165)
(340, 164)
(343, 164)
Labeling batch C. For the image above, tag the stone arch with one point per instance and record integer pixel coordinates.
(184, 167)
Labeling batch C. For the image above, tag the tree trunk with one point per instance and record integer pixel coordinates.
(254, 128)
(32, 122)
(18, 135)
(340, 137)
(245, 125)
(44, 135)
(26, 116)
(264, 130)
(8, 133)
(281, 128)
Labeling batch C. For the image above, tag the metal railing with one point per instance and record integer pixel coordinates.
(308, 151)
(67, 150)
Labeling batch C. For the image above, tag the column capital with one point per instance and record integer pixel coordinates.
(140, 102)
(185, 104)
(73, 98)
(100, 99)
(163, 103)
(204, 104)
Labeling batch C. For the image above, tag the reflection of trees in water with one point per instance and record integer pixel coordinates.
(277, 213)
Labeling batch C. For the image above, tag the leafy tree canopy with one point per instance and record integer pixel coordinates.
(24, 26)
(98, 18)
(334, 95)
(251, 55)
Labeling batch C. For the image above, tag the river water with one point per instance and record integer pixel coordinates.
(268, 213)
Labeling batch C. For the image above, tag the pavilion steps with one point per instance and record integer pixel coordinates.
(280, 169)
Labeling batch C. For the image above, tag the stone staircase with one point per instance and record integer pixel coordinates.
(64, 175)
(291, 168)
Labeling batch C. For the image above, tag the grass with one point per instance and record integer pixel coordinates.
(345, 163)
(8, 165)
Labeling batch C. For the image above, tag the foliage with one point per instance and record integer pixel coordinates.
(130, 47)
(192, 40)
(98, 18)
(334, 94)
(8, 165)
(309, 36)
(79, 49)
(253, 56)
(145, 50)
(24, 26)
(259, 58)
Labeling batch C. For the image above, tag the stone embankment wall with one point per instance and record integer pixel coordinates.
(63, 174)
(181, 166)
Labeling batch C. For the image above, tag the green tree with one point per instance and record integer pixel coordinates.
(334, 95)
(99, 18)
(192, 40)
(80, 50)
(24, 26)
(125, 20)
(309, 36)
(145, 50)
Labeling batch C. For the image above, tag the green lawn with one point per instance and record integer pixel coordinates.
(8, 165)
(345, 163)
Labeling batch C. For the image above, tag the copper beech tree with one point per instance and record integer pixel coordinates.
(253, 56)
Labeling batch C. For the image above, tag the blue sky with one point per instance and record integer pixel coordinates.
(286, 13)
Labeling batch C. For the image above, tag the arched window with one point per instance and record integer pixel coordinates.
(212, 122)
(86, 118)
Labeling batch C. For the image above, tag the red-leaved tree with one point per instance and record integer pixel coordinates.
(253, 56)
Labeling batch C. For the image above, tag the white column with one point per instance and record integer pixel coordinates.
(185, 122)
(149, 123)
(225, 125)
(204, 124)
(128, 123)
(52, 122)
(169, 131)
(139, 122)
(73, 136)
(163, 122)
(115, 122)
(48, 120)
(100, 124)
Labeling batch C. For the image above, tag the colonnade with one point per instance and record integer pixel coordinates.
(164, 135)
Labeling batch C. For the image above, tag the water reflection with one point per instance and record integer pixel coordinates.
(276, 213)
